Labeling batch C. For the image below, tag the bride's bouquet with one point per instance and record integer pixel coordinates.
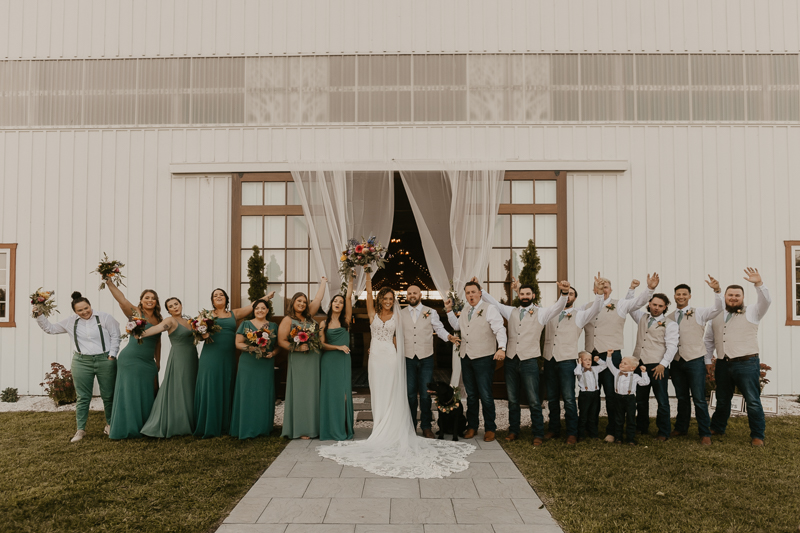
(202, 324)
(458, 306)
(362, 253)
(43, 303)
(305, 334)
(136, 325)
(259, 339)
(110, 272)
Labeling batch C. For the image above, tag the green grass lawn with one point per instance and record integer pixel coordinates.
(678, 485)
(178, 484)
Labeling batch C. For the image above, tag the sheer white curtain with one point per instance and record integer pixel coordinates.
(455, 211)
(339, 205)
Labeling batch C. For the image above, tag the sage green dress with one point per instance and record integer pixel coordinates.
(254, 396)
(214, 391)
(335, 389)
(301, 410)
(173, 410)
(134, 391)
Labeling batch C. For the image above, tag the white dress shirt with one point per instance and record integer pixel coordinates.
(630, 303)
(88, 332)
(703, 315)
(438, 328)
(586, 314)
(545, 314)
(671, 335)
(623, 383)
(587, 379)
(492, 317)
(753, 314)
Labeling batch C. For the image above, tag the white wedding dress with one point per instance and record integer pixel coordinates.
(394, 449)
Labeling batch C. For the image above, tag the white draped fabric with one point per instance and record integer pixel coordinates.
(339, 205)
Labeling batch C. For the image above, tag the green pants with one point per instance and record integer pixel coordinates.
(84, 369)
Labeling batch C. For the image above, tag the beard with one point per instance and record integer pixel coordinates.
(570, 302)
(525, 302)
(412, 301)
(733, 309)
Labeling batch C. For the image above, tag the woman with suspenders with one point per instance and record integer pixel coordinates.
(95, 339)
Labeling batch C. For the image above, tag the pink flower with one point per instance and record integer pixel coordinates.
(302, 336)
(261, 341)
(40, 299)
(359, 249)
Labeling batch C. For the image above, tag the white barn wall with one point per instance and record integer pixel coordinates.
(174, 28)
(697, 200)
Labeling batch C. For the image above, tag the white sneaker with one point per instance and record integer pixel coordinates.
(609, 438)
(107, 429)
(78, 435)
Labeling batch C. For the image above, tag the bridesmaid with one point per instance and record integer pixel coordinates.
(254, 396)
(335, 415)
(173, 410)
(301, 411)
(214, 391)
(137, 369)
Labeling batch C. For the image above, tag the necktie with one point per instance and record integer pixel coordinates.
(469, 315)
(521, 313)
(416, 314)
(730, 315)
(650, 323)
(561, 316)
(680, 316)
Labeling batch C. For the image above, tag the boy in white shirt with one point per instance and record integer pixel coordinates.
(589, 396)
(624, 397)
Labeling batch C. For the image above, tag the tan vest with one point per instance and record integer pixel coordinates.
(418, 337)
(690, 343)
(606, 331)
(561, 338)
(477, 338)
(737, 338)
(524, 335)
(651, 344)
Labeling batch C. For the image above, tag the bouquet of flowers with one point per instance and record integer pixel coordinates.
(43, 303)
(204, 323)
(305, 334)
(109, 272)
(260, 339)
(362, 253)
(136, 325)
(458, 306)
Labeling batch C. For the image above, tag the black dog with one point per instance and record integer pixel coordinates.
(451, 410)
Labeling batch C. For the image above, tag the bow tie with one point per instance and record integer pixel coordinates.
(623, 374)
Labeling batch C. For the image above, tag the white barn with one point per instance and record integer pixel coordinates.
(665, 135)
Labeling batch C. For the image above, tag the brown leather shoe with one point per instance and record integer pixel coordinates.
(676, 433)
(488, 436)
(549, 435)
(511, 437)
(572, 439)
(716, 432)
(757, 442)
(469, 434)
(428, 434)
(662, 438)
(537, 441)
(705, 441)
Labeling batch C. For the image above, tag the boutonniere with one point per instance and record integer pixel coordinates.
(426, 314)
(740, 311)
(611, 307)
(689, 313)
(480, 313)
(531, 311)
(568, 316)
(661, 325)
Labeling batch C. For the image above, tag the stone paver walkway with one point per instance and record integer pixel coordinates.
(303, 493)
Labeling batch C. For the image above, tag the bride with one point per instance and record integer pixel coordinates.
(394, 449)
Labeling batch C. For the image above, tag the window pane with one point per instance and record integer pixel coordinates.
(796, 257)
(274, 193)
(502, 231)
(498, 291)
(313, 274)
(276, 264)
(549, 293)
(549, 262)
(497, 269)
(516, 262)
(292, 198)
(522, 192)
(274, 232)
(545, 191)
(2, 303)
(277, 300)
(521, 230)
(251, 232)
(297, 265)
(251, 193)
(244, 297)
(246, 255)
(546, 234)
(505, 193)
(297, 232)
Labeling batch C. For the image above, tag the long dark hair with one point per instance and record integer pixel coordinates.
(156, 309)
(306, 313)
(78, 298)
(227, 300)
(342, 316)
(266, 304)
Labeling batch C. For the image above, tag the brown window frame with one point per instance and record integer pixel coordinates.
(12, 281)
(791, 287)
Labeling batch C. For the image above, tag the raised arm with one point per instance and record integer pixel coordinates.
(123, 302)
(756, 312)
(316, 303)
(348, 301)
(546, 314)
(168, 324)
(588, 313)
(54, 329)
(505, 310)
(628, 306)
(451, 316)
(706, 314)
(370, 302)
(244, 312)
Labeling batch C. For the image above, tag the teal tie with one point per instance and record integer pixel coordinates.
(561, 316)
(650, 323)
(730, 315)
(521, 313)
(680, 316)
(469, 315)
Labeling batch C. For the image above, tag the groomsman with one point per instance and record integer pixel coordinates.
(656, 346)
(421, 324)
(483, 341)
(734, 336)
(525, 325)
(560, 352)
(687, 370)
(605, 335)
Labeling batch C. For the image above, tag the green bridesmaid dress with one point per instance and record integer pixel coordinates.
(301, 410)
(335, 389)
(254, 396)
(134, 391)
(173, 411)
(214, 392)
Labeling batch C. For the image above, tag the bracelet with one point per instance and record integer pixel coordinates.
(565, 293)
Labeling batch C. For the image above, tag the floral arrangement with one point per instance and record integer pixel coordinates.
(480, 313)
(362, 253)
(136, 325)
(455, 402)
(426, 314)
(458, 303)
(43, 303)
(305, 334)
(58, 385)
(610, 307)
(689, 313)
(202, 324)
(661, 324)
(259, 339)
(109, 271)
(762, 377)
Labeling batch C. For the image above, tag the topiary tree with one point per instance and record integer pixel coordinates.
(530, 272)
(258, 280)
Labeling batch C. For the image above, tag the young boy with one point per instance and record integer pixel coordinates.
(624, 397)
(589, 396)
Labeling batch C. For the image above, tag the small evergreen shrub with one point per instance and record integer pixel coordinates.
(9, 395)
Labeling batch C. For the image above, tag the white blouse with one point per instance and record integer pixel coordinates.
(88, 333)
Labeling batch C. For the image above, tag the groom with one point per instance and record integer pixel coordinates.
(422, 322)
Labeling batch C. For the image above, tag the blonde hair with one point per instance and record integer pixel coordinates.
(631, 361)
(584, 354)
(604, 281)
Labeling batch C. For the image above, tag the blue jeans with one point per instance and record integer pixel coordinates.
(522, 381)
(606, 379)
(661, 392)
(419, 372)
(690, 377)
(478, 375)
(745, 375)
(561, 382)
